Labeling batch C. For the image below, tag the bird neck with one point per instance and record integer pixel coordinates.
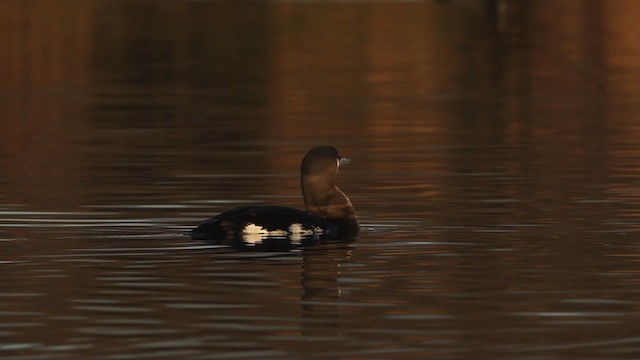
(326, 200)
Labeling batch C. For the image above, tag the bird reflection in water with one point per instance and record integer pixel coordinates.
(322, 269)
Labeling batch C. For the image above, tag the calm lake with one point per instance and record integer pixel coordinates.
(495, 151)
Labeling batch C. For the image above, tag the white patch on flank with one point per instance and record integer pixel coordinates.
(252, 239)
(254, 234)
(296, 238)
(297, 228)
(297, 232)
(254, 229)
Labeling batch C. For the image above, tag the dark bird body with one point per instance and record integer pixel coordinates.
(329, 213)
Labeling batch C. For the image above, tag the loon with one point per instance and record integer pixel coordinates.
(329, 213)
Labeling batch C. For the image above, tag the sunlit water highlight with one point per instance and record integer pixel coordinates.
(495, 173)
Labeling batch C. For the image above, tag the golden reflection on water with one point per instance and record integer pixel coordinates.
(495, 170)
(368, 74)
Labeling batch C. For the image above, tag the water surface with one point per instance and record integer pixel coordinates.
(494, 146)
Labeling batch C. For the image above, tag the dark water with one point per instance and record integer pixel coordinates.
(495, 149)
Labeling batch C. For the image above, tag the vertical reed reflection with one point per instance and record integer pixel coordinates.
(46, 55)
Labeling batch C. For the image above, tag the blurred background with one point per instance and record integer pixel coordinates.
(172, 87)
(495, 172)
